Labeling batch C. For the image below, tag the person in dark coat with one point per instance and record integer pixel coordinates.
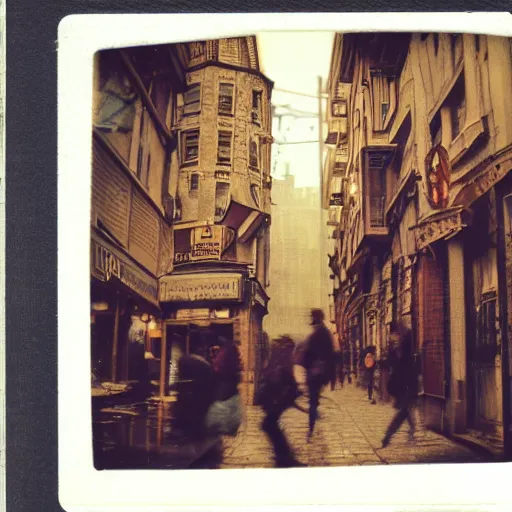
(227, 370)
(278, 392)
(402, 384)
(318, 361)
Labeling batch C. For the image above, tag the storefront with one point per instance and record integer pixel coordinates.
(205, 309)
(124, 311)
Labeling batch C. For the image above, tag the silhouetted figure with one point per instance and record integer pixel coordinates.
(196, 388)
(318, 360)
(278, 392)
(402, 384)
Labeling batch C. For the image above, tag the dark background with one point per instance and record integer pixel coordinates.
(31, 252)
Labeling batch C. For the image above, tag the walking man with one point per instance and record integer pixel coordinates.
(277, 393)
(403, 385)
(318, 361)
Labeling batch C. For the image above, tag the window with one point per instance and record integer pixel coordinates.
(457, 104)
(383, 90)
(253, 154)
(376, 163)
(224, 148)
(190, 142)
(221, 199)
(255, 193)
(226, 98)
(192, 99)
(194, 181)
(256, 107)
(435, 129)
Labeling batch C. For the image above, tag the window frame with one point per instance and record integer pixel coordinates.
(198, 101)
(254, 143)
(220, 95)
(257, 110)
(223, 160)
(194, 183)
(184, 137)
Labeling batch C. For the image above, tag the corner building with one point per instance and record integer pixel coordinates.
(221, 188)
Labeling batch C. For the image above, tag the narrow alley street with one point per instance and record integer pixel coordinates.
(348, 433)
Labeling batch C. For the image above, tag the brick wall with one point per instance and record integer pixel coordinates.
(431, 318)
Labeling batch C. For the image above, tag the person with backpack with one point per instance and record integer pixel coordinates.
(278, 393)
(370, 365)
(402, 384)
(318, 361)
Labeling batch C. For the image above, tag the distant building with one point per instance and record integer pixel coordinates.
(297, 282)
(419, 183)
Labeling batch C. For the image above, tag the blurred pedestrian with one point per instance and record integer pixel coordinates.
(278, 392)
(370, 365)
(403, 383)
(318, 360)
(225, 413)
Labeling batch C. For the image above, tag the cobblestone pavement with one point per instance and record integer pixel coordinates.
(349, 432)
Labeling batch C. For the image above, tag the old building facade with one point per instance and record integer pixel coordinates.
(181, 202)
(418, 180)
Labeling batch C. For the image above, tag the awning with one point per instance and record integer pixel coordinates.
(244, 220)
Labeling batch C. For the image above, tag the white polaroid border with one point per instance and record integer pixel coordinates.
(81, 487)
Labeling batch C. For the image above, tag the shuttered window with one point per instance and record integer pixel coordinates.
(224, 147)
(190, 146)
(192, 100)
(226, 98)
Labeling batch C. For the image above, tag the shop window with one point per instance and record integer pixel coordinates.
(253, 154)
(192, 99)
(190, 146)
(194, 182)
(221, 199)
(226, 98)
(224, 147)
(256, 107)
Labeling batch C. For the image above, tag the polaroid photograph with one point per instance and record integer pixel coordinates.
(285, 260)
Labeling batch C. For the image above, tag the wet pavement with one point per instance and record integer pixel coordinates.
(349, 432)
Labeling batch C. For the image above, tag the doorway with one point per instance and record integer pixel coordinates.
(192, 338)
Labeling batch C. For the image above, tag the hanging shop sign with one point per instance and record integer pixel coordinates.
(440, 227)
(438, 168)
(108, 263)
(202, 243)
(201, 287)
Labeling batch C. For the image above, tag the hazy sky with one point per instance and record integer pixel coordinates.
(294, 60)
